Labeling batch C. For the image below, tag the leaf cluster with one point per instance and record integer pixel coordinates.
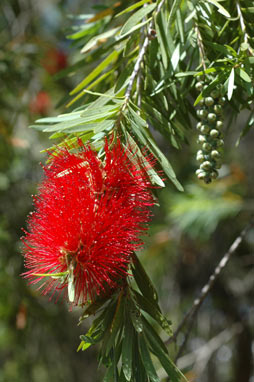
(128, 339)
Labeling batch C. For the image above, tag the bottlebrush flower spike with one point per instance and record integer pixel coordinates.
(87, 221)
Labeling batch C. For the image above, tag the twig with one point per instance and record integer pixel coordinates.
(206, 289)
(138, 90)
(199, 358)
(200, 47)
(140, 58)
(243, 27)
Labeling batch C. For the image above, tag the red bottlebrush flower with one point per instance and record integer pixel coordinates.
(87, 221)
(40, 104)
(54, 61)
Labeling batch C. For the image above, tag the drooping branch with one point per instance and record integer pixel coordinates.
(192, 312)
(140, 57)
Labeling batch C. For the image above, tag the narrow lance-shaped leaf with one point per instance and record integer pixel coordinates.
(231, 81)
(135, 18)
(109, 59)
(154, 311)
(127, 348)
(146, 359)
(91, 43)
(143, 281)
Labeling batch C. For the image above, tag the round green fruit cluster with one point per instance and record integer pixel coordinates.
(210, 138)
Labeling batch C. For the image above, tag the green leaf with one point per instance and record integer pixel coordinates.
(249, 124)
(80, 123)
(175, 6)
(109, 59)
(135, 315)
(109, 376)
(175, 57)
(132, 22)
(231, 81)
(221, 9)
(185, 74)
(146, 359)
(154, 177)
(146, 139)
(154, 311)
(156, 342)
(244, 76)
(134, 28)
(91, 43)
(143, 281)
(93, 84)
(127, 348)
(71, 284)
(132, 7)
(198, 99)
(85, 30)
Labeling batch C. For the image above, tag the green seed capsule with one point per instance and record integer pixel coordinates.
(207, 147)
(219, 124)
(202, 114)
(214, 133)
(215, 154)
(198, 126)
(220, 142)
(199, 86)
(201, 175)
(222, 100)
(200, 158)
(206, 165)
(209, 101)
(217, 109)
(215, 93)
(202, 102)
(205, 129)
(207, 179)
(211, 117)
(214, 174)
(201, 139)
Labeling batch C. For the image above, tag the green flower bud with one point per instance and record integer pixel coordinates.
(207, 147)
(217, 109)
(209, 101)
(199, 86)
(206, 165)
(205, 129)
(219, 124)
(214, 133)
(211, 117)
